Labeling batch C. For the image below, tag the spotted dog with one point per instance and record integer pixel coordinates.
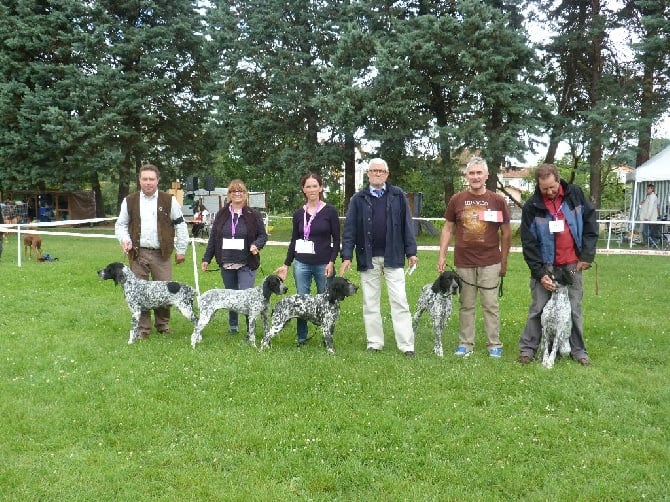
(252, 302)
(556, 319)
(146, 295)
(322, 309)
(437, 299)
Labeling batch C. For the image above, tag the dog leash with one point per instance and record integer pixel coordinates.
(498, 286)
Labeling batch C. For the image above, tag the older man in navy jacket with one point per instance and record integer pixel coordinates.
(379, 226)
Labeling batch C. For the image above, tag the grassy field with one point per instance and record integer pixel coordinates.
(85, 416)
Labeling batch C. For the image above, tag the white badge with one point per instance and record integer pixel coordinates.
(490, 215)
(233, 244)
(556, 226)
(304, 246)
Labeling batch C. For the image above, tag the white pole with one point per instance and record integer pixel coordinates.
(633, 209)
(18, 243)
(195, 270)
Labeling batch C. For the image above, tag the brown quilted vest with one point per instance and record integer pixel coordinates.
(165, 226)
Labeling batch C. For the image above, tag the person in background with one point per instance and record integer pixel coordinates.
(649, 211)
(200, 219)
(237, 236)
(314, 246)
(480, 220)
(559, 228)
(379, 227)
(149, 228)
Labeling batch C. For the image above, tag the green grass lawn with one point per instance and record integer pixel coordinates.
(85, 416)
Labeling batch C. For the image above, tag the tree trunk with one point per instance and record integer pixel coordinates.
(97, 193)
(349, 169)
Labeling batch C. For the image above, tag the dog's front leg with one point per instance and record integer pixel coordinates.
(196, 337)
(437, 329)
(328, 338)
(265, 343)
(415, 320)
(548, 356)
(251, 335)
(134, 326)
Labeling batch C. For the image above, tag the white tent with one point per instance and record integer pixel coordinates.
(657, 171)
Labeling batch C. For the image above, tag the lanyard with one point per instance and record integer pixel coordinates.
(307, 225)
(556, 212)
(233, 222)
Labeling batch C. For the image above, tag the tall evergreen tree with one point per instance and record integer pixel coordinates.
(92, 89)
(592, 87)
(459, 73)
(273, 55)
(649, 20)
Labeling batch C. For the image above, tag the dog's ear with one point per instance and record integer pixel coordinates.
(457, 278)
(563, 276)
(435, 288)
(118, 272)
(271, 284)
(336, 292)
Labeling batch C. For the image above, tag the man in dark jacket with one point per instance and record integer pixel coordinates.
(559, 228)
(379, 226)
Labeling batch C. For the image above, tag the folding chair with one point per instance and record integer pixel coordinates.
(655, 237)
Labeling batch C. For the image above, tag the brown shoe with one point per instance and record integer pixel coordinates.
(584, 361)
(143, 336)
(165, 331)
(524, 359)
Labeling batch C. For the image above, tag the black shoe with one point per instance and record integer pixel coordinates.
(372, 349)
(410, 353)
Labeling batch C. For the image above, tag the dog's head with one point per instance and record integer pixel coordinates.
(115, 271)
(448, 283)
(273, 284)
(340, 289)
(561, 276)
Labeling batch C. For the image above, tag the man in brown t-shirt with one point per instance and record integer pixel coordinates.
(480, 220)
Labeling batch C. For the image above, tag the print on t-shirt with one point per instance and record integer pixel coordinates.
(474, 229)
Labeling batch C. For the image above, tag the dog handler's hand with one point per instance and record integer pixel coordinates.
(179, 258)
(582, 265)
(346, 264)
(282, 272)
(127, 246)
(547, 283)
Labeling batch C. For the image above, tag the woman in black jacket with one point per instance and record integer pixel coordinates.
(237, 236)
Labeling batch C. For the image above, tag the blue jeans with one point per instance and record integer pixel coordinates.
(303, 274)
(242, 278)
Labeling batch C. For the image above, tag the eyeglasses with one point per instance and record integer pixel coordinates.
(377, 171)
(238, 191)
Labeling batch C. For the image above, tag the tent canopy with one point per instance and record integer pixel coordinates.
(657, 171)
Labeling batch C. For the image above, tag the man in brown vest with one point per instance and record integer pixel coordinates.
(146, 227)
